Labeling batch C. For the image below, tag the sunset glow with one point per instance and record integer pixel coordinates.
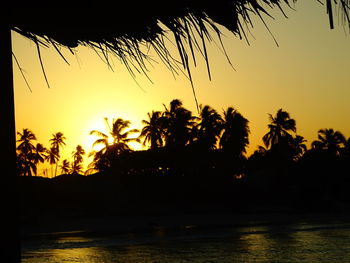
(307, 75)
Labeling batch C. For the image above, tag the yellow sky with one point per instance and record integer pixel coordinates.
(307, 75)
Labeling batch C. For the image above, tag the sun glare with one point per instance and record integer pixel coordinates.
(99, 124)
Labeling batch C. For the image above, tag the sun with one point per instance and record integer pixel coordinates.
(95, 124)
(99, 124)
(136, 146)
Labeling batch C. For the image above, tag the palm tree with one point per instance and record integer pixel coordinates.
(78, 154)
(178, 124)
(65, 167)
(56, 142)
(52, 157)
(235, 136)
(119, 144)
(26, 149)
(329, 140)
(299, 146)
(279, 129)
(25, 141)
(76, 168)
(117, 133)
(100, 161)
(39, 154)
(152, 132)
(25, 167)
(209, 127)
(258, 156)
(78, 159)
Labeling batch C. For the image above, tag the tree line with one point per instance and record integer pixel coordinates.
(30, 155)
(215, 140)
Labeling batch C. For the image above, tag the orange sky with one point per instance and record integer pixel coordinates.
(307, 75)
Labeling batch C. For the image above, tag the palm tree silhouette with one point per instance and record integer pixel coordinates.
(52, 157)
(26, 167)
(56, 142)
(26, 149)
(299, 146)
(152, 132)
(235, 136)
(77, 160)
(329, 140)
(29, 155)
(209, 127)
(78, 154)
(279, 129)
(65, 167)
(39, 154)
(76, 168)
(178, 124)
(118, 134)
(100, 162)
(25, 141)
(119, 145)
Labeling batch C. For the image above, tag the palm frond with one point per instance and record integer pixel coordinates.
(99, 133)
(102, 141)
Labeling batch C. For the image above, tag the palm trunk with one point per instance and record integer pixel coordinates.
(56, 169)
(10, 244)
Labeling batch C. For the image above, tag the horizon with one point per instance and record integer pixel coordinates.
(139, 146)
(306, 76)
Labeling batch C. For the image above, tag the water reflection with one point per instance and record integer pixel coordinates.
(293, 243)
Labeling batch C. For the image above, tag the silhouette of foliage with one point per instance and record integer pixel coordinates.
(298, 145)
(209, 127)
(57, 141)
(65, 167)
(110, 33)
(235, 133)
(78, 154)
(192, 24)
(279, 129)
(329, 140)
(178, 123)
(26, 149)
(199, 164)
(119, 145)
(77, 167)
(152, 131)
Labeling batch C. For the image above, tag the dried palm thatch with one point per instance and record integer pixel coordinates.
(192, 24)
(130, 35)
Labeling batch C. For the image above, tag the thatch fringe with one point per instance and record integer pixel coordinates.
(191, 24)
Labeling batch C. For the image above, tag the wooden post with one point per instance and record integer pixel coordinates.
(9, 231)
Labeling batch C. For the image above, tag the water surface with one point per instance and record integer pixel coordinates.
(301, 242)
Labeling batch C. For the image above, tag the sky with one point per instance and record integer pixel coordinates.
(306, 74)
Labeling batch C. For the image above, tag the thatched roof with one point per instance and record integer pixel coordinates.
(122, 27)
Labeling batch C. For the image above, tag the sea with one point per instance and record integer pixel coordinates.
(297, 242)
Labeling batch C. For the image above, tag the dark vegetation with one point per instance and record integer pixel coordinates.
(192, 164)
(190, 22)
